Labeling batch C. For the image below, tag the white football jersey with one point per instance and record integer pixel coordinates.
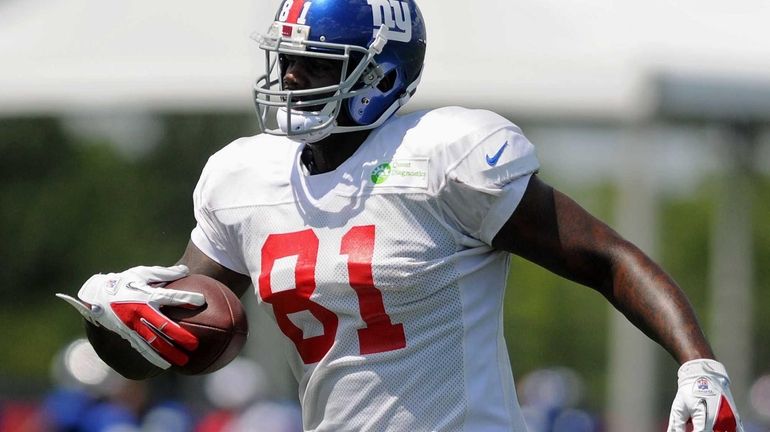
(380, 272)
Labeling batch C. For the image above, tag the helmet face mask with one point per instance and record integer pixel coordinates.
(376, 75)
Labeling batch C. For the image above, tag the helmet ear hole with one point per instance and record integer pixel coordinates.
(387, 82)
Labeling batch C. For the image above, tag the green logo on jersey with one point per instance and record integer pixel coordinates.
(380, 173)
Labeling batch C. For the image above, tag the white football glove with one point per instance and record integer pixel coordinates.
(704, 396)
(128, 304)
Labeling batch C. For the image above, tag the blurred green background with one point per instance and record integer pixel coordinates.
(74, 205)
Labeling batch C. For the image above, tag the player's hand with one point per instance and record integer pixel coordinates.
(704, 396)
(128, 304)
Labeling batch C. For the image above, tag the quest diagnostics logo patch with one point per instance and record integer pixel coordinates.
(380, 173)
(401, 173)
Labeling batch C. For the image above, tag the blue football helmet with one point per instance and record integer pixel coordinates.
(380, 44)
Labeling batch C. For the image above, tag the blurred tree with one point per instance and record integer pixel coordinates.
(72, 207)
(30, 169)
(761, 311)
(172, 169)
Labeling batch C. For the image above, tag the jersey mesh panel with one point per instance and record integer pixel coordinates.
(420, 387)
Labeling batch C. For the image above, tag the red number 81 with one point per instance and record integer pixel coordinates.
(379, 334)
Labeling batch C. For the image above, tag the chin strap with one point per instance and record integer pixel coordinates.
(305, 126)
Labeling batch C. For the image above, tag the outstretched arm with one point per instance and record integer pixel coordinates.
(551, 230)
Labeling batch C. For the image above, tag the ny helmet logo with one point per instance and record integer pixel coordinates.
(395, 15)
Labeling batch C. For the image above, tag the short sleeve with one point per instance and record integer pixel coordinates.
(210, 236)
(485, 182)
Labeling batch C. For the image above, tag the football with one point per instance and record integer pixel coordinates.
(220, 326)
(118, 354)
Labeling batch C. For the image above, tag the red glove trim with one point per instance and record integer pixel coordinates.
(158, 330)
(725, 421)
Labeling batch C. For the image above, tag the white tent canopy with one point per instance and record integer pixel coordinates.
(542, 57)
(86, 54)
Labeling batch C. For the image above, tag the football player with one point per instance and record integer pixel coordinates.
(381, 244)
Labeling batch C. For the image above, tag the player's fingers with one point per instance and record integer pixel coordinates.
(142, 347)
(700, 416)
(172, 297)
(677, 421)
(131, 314)
(169, 329)
(167, 350)
(160, 274)
(675, 425)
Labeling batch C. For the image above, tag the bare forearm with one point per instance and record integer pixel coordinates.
(552, 230)
(653, 302)
(199, 263)
(597, 256)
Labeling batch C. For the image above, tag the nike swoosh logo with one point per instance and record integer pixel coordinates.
(131, 285)
(492, 160)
